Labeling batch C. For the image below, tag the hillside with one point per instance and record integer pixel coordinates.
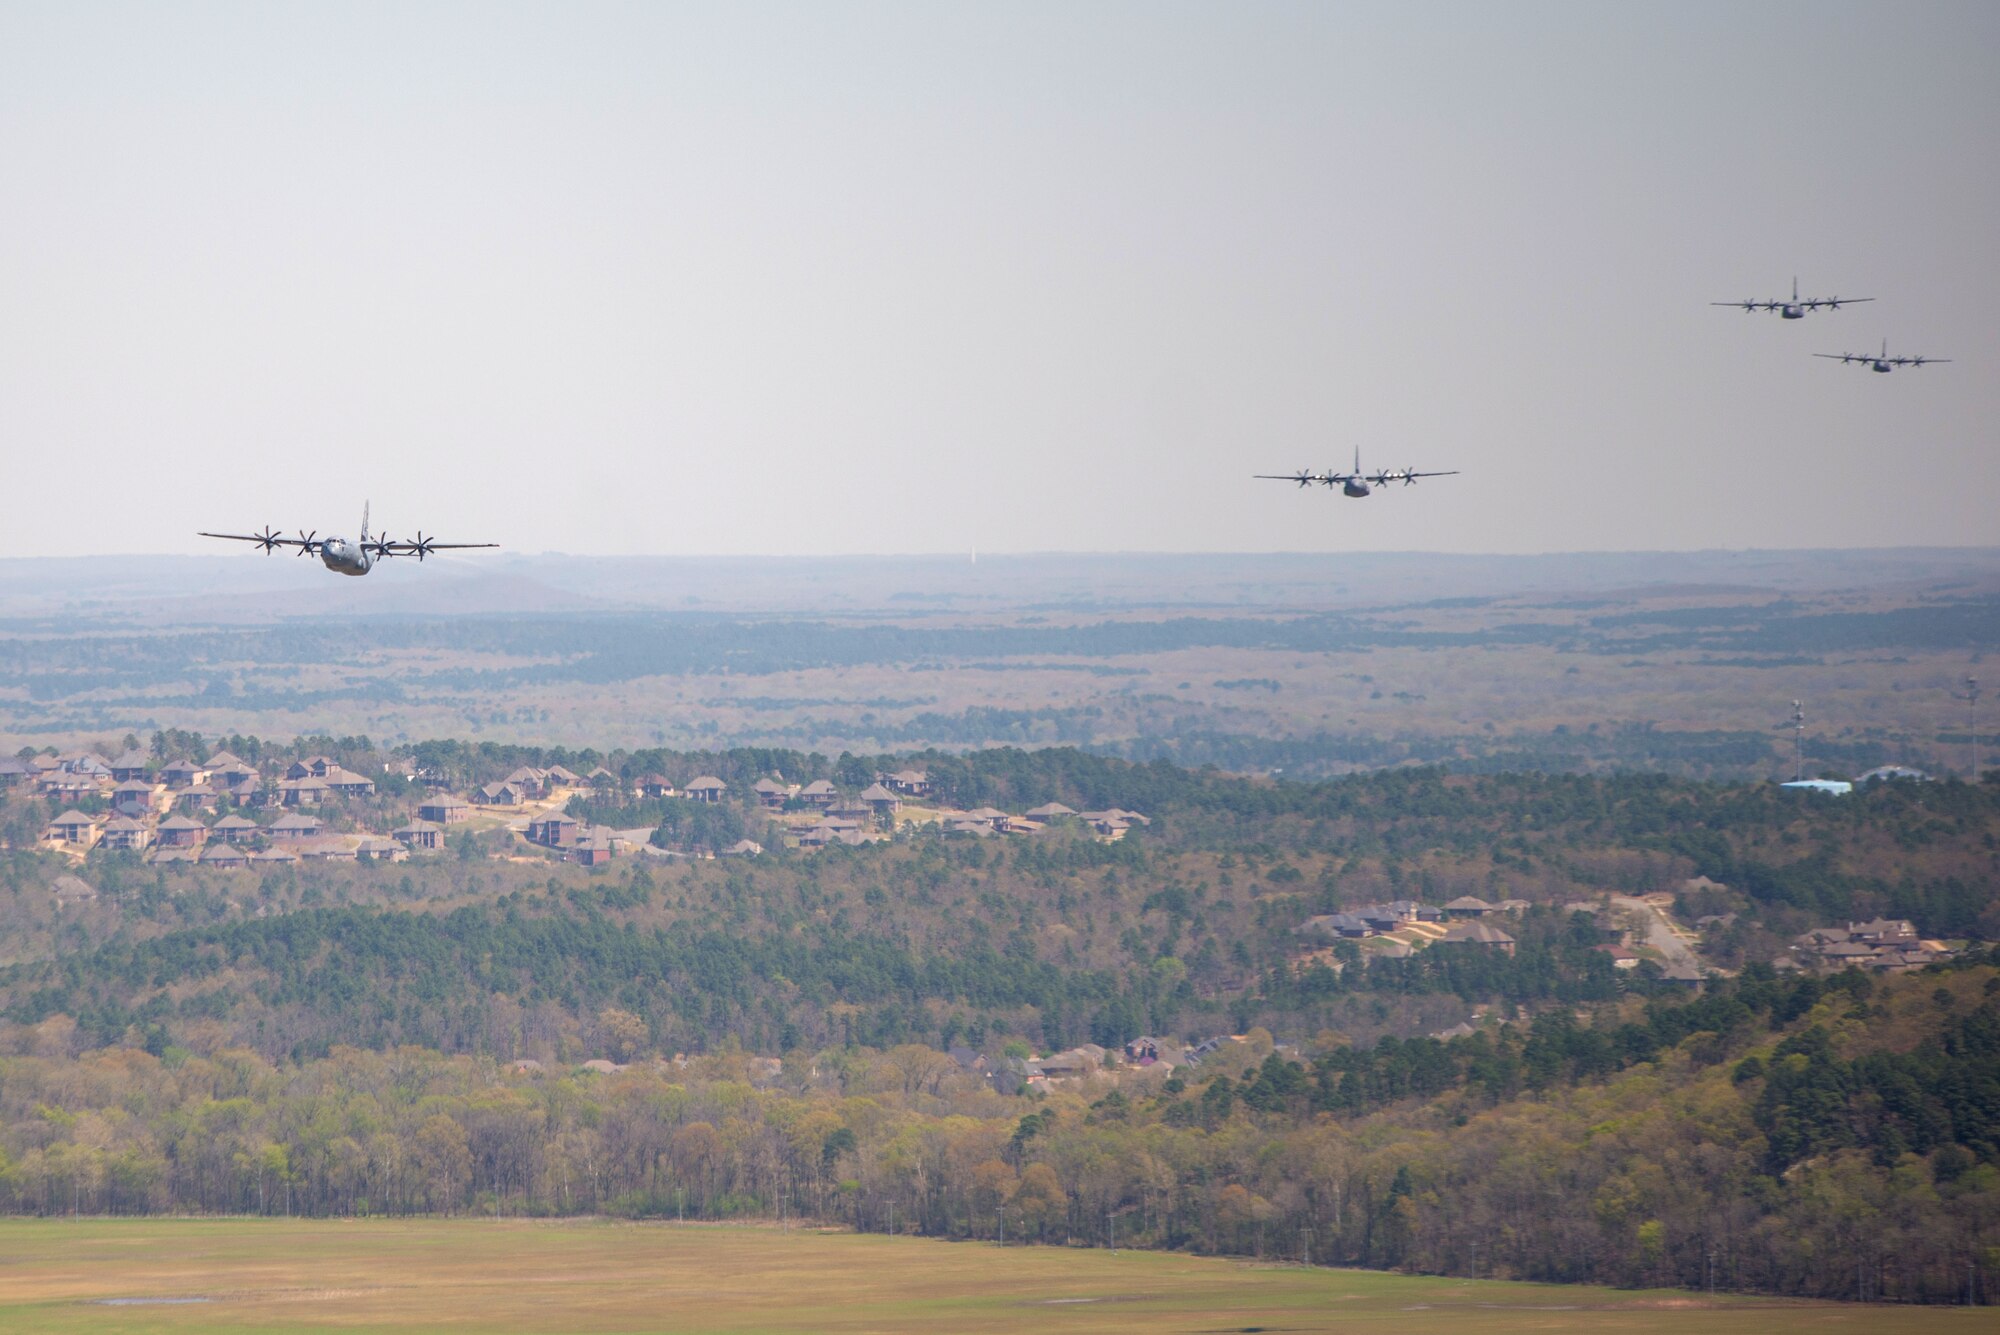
(1809, 1138)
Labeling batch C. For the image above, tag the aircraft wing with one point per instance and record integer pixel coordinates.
(1405, 475)
(1917, 361)
(404, 548)
(420, 546)
(1748, 305)
(1844, 356)
(269, 541)
(1833, 303)
(1305, 478)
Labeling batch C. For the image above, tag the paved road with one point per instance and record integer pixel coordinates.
(1660, 932)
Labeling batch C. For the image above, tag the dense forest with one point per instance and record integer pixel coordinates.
(1839, 1138)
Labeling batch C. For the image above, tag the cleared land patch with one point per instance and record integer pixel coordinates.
(476, 1275)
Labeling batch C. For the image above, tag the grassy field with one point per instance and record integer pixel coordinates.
(429, 1275)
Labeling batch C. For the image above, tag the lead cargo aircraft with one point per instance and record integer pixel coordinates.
(343, 557)
(1796, 308)
(1357, 483)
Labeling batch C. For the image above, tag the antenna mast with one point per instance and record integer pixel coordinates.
(1971, 698)
(1798, 740)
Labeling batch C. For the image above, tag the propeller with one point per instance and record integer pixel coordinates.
(1409, 477)
(306, 542)
(421, 547)
(1303, 477)
(268, 539)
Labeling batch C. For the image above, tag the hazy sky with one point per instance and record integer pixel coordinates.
(658, 278)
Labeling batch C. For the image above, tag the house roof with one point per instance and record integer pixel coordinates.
(706, 781)
(222, 853)
(1049, 811)
(222, 759)
(875, 792)
(180, 823)
(1480, 933)
(134, 786)
(121, 825)
(1468, 902)
(235, 823)
(71, 817)
(133, 759)
(817, 788)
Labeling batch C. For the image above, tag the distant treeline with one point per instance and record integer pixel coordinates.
(601, 648)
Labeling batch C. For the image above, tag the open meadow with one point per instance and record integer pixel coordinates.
(473, 1275)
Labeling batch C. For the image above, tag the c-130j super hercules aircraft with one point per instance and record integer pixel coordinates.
(349, 558)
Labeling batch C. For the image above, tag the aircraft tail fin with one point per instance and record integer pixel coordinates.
(364, 521)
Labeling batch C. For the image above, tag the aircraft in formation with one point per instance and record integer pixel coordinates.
(1882, 362)
(1796, 308)
(343, 557)
(1356, 484)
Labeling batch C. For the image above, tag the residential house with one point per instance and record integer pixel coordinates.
(1621, 958)
(1050, 811)
(275, 855)
(420, 835)
(376, 849)
(743, 848)
(346, 783)
(1474, 932)
(225, 770)
(122, 832)
(556, 776)
(592, 849)
(528, 781)
(226, 855)
(819, 793)
(1883, 932)
(85, 764)
(198, 797)
(908, 782)
(881, 800)
(133, 798)
(61, 786)
(499, 795)
(444, 810)
(312, 767)
(183, 773)
(654, 787)
(707, 788)
(1468, 906)
(234, 830)
(554, 831)
(14, 770)
(1336, 927)
(132, 765)
(307, 792)
(294, 827)
(180, 832)
(771, 794)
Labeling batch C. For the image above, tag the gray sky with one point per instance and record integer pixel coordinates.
(902, 278)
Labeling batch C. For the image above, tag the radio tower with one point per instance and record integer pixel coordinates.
(1798, 740)
(1971, 698)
